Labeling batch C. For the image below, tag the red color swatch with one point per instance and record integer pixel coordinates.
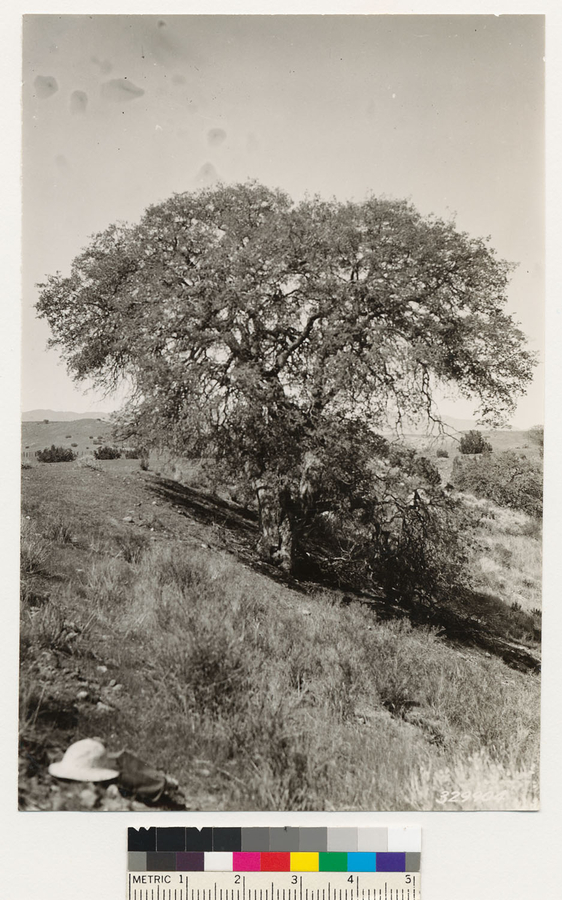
(275, 862)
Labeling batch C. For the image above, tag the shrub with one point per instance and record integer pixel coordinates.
(377, 515)
(135, 453)
(107, 453)
(144, 463)
(536, 434)
(55, 454)
(74, 445)
(442, 453)
(474, 442)
(506, 478)
(427, 472)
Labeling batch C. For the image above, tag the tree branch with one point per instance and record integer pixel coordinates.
(294, 345)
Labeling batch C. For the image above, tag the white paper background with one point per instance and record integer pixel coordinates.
(466, 856)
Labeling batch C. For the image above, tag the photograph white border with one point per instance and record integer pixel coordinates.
(469, 855)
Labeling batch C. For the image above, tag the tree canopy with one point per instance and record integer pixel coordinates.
(250, 327)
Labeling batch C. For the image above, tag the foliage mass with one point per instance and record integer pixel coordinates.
(277, 338)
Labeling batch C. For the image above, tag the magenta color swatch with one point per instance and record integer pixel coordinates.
(246, 862)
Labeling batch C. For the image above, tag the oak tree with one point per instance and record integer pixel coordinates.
(252, 329)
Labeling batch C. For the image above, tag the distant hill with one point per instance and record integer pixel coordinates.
(461, 424)
(82, 435)
(54, 415)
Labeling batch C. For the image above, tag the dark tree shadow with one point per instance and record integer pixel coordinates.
(473, 620)
(238, 524)
(205, 508)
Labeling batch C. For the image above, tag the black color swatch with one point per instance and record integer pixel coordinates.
(199, 839)
(170, 839)
(141, 839)
(227, 840)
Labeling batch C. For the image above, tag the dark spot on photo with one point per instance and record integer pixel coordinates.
(45, 86)
(216, 136)
(207, 174)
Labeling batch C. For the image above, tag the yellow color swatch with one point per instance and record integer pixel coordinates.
(304, 862)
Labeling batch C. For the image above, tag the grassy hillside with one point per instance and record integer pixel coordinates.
(499, 440)
(148, 621)
(86, 434)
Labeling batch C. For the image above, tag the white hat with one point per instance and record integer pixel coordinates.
(84, 761)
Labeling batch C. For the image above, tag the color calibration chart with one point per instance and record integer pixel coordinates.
(274, 863)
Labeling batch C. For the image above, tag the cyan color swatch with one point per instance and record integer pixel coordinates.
(362, 862)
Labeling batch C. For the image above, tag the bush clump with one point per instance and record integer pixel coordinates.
(536, 435)
(441, 453)
(135, 453)
(473, 442)
(107, 453)
(375, 514)
(55, 454)
(508, 478)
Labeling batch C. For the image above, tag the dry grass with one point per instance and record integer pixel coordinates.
(34, 550)
(89, 461)
(301, 702)
(507, 558)
(252, 695)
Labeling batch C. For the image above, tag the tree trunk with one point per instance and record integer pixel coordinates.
(277, 542)
(310, 483)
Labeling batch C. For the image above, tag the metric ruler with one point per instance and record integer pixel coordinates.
(273, 886)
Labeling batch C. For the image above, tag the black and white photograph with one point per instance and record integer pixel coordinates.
(282, 412)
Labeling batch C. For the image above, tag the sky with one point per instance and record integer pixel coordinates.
(122, 111)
